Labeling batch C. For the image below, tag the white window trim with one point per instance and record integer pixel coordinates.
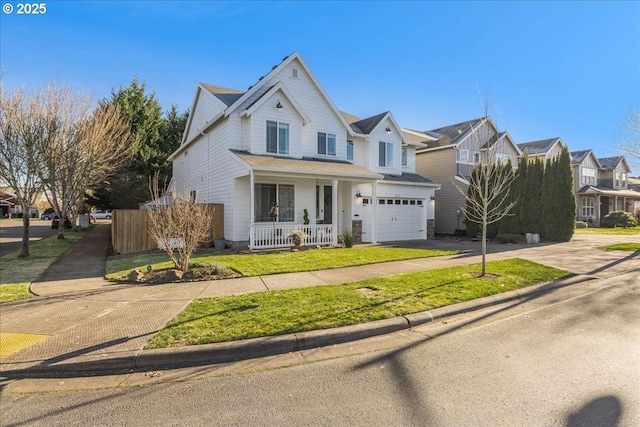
(278, 148)
(353, 148)
(388, 162)
(326, 141)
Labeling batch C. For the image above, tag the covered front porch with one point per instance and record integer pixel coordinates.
(594, 203)
(299, 197)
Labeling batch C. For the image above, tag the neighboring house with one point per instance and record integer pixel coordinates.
(601, 186)
(280, 153)
(543, 149)
(7, 202)
(450, 154)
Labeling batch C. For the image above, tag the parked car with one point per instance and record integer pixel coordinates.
(56, 222)
(48, 216)
(100, 215)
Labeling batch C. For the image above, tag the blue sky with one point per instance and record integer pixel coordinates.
(568, 69)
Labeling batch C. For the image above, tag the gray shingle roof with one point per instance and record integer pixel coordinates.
(413, 178)
(578, 157)
(224, 94)
(363, 126)
(449, 135)
(538, 147)
(610, 162)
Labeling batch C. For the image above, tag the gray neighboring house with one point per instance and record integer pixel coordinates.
(543, 149)
(450, 154)
(601, 186)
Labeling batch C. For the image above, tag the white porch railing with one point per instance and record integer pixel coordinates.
(265, 236)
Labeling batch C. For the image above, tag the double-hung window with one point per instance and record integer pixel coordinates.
(349, 150)
(463, 155)
(385, 154)
(274, 202)
(588, 176)
(277, 137)
(588, 207)
(326, 143)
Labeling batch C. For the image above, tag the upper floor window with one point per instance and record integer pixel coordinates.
(404, 156)
(385, 154)
(349, 150)
(476, 157)
(588, 176)
(277, 137)
(327, 143)
(502, 159)
(463, 155)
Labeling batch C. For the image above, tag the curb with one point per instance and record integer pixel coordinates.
(198, 355)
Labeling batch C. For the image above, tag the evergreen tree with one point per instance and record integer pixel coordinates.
(558, 205)
(530, 209)
(155, 138)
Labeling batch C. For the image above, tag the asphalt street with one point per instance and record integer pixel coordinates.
(11, 233)
(570, 357)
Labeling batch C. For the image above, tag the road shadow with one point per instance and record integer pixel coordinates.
(601, 412)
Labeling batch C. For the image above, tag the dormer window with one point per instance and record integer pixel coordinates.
(326, 144)
(385, 154)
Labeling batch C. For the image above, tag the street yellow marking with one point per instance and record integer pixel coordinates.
(12, 343)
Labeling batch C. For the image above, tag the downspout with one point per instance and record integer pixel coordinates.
(334, 213)
(251, 207)
(374, 195)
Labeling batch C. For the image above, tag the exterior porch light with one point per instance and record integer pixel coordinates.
(388, 129)
(433, 197)
(358, 195)
(278, 105)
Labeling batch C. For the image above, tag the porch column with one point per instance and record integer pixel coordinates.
(251, 207)
(374, 213)
(598, 207)
(334, 212)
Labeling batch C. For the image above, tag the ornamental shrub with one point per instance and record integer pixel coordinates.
(619, 219)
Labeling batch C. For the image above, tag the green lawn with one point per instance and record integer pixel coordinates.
(609, 231)
(631, 247)
(278, 262)
(280, 312)
(18, 273)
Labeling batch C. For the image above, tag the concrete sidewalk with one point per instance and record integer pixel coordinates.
(82, 323)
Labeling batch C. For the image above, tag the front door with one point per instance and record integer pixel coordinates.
(604, 206)
(328, 199)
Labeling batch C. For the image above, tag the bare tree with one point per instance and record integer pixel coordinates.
(630, 142)
(487, 194)
(81, 144)
(178, 223)
(20, 130)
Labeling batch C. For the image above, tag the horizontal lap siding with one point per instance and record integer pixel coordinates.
(206, 107)
(440, 166)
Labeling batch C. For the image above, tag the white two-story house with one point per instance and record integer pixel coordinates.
(281, 157)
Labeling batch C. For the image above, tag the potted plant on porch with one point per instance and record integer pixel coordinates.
(297, 237)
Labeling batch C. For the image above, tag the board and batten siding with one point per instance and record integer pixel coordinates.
(440, 166)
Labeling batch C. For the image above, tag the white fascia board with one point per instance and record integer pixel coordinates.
(460, 179)
(278, 87)
(277, 69)
(389, 117)
(186, 144)
(411, 184)
(442, 147)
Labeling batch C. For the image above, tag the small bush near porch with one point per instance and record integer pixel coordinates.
(279, 262)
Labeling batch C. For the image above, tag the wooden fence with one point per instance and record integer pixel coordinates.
(130, 229)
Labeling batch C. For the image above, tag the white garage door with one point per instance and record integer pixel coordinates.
(398, 219)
